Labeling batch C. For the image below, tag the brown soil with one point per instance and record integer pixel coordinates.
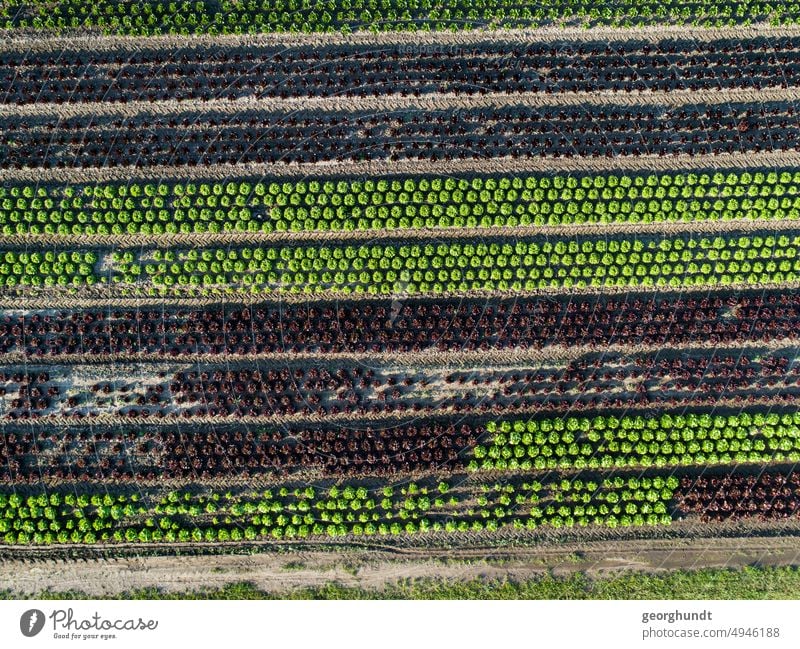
(415, 359)
(104, 297)
(508, 165)
(668, 228)
(40, 43)
(389, 103)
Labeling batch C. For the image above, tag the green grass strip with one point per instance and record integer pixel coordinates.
(710, 583)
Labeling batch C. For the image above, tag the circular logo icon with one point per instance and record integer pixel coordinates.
(31, 622)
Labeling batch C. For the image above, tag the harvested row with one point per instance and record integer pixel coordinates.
(354, 508)
(383, 205)
(231, 17)
(518, 132)
(187, 73)
(346, 391)
(407, 326)
(155, 455)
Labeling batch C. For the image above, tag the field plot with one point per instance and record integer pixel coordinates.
(270, 279)
(141, 137)
(361, 71)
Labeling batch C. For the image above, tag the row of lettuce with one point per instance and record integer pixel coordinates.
(531, 263)
(149, 17)
(69, 516)
(320, 205)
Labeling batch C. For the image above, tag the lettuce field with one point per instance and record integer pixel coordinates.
(398, 273)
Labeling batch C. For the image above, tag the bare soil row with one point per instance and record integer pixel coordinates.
(420, 359)
(497, 165)
(413, 234)
(390, 103)
(106, 297)
(42, 43)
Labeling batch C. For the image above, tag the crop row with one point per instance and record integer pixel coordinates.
(573, 443)
(154, 455)
(643, 441)
(158, 390)
(411, 325)
(258, 136)
(231, 17)
(400, 269)
(215, 391)
(314, 511)
(770, 495)
(397, 69)
(328, 205)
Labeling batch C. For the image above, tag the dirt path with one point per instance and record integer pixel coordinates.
(43, 43)
(389, 103)
(668, 228)
(374, 569)
(542, 408)
(497, 165)
(104, 298)
(451, 359)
